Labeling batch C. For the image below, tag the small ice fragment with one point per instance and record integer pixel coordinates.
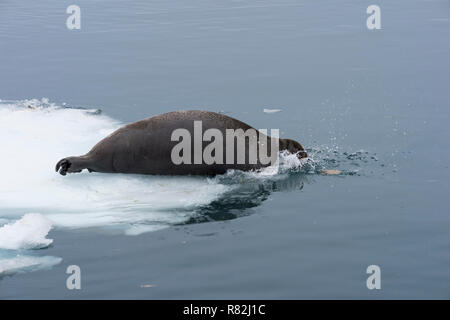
(331, 172)
(271, 110)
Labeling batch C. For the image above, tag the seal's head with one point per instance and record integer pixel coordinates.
(293, 147)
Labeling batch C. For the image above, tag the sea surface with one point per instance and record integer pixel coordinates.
(373, 104)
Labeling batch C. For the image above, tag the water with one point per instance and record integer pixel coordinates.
(373, 104)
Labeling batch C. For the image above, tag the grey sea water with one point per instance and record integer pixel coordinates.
(374, 104)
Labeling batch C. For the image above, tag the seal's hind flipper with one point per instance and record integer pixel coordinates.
(64, 165)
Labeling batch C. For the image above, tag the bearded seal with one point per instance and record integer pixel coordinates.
(147, 147)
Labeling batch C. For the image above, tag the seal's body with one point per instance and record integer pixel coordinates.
(146, 147)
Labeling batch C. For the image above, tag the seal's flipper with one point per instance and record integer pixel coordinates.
(64, 165)
(72, 164)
